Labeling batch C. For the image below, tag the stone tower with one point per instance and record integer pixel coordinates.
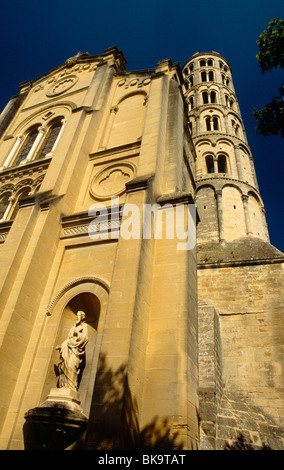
(239, 271)
(227, 197)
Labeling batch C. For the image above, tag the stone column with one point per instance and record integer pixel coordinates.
(41, 132)
(108, 127)
(247, 216)
(7, 211)
(13, 152)
(238, 162)
(220, 214)
(63, 122)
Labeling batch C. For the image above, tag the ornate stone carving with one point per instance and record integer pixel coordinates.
(62, 85)
(111, 180)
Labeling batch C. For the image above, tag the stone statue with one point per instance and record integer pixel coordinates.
(72, 354)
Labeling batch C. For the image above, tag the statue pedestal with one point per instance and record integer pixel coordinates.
(57, 423)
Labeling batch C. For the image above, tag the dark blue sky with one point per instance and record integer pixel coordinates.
(38, 36)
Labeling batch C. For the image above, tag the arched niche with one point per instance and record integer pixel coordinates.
(88, 295)
(233, 213)
(207, 228)
(127, 120)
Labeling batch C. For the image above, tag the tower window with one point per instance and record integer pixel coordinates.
(191, 102)
(209, 97)
(202, 63)
(207, 76)
(210, 62)
(222, 164)
(208, 124)
(215, 124)
(212, 123)
(191, 67)
(205, 97)
(213, 96)
(209, 164)
(185, 71)
(191, 81)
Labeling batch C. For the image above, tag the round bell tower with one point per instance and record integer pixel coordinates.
(227, 195)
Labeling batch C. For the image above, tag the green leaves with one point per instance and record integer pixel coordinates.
(270, 119)
(271, 46)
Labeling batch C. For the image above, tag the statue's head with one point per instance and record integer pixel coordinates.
(81, 315)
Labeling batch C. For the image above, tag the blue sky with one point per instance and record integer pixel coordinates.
(38, 36)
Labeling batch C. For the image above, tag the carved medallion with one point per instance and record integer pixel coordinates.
(62, 85)
(111, 180)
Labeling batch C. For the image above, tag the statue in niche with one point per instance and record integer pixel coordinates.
(72, 354)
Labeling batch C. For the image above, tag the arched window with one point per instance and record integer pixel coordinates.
(209, 97)
(222, 164)
(213, 97)
(185, 71)
(205, 97)
(202, 63)
(209, 164)
(27, 145)
(191, 102)
(50, 139)
(191, 67)
(23, 195)
(203, 76)
(211, 76)
(215, 123)
(210, 62)
(4, 204)
(212, 123)
(37, 142)
(208, 123)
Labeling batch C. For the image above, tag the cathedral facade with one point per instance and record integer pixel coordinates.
(132, 197)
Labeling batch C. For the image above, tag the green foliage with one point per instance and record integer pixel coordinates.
(271, 46)
(270, 119)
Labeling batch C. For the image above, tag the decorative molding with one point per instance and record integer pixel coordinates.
(134, 82)
(72, 284)
(62, 85)
(4, 230)
(111, 180)
(84, 224)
